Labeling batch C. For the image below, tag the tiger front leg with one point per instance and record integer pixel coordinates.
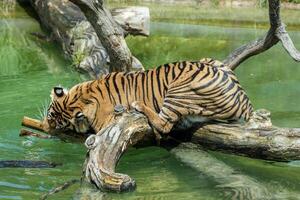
(160, 124)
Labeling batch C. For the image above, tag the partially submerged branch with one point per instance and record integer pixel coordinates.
(44, 127)
(106, 148)
(230, 183)
(59, 188)
(26, 164)
(25, 132)
(276, 33)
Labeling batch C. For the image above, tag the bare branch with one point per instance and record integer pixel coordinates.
(109, 33)
(276, 33)
(287, 43)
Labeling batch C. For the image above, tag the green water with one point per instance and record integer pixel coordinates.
(29, 68)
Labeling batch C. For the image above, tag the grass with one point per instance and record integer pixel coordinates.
(237, 17)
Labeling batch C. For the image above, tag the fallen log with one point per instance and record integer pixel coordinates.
(79, 41)
(106, 148)
(257, 138)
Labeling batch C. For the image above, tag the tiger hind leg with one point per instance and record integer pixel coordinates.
(162, 125)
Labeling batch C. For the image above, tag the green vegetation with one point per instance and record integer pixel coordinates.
(292, 1)
(78, 57)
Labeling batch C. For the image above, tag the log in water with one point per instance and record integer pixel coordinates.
(26, 164)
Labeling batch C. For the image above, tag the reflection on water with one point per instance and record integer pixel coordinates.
(29, 68)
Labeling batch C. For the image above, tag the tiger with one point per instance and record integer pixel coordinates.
(186, 91)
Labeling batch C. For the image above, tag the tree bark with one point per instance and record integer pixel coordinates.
(106, 148)
(275, 34)
(79, 41)
(257, 138)
(109, 32)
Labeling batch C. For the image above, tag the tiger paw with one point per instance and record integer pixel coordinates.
(138, 106)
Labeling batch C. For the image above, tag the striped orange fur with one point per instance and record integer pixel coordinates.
(173, 92)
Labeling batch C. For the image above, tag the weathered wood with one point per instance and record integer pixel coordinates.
(79, 41)
(66, 135)
(275, 34)
(257, 138)
(109, 32)
(34, 123)
(106, 148)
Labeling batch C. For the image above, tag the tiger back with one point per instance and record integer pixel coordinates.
(167, 94)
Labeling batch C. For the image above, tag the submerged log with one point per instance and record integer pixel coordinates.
(25, 132)
(59, 188)
(26, 164)
(77, 37)
(231, 184)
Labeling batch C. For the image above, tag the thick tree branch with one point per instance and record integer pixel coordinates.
(106, 148)
(79, 41)
(276, 33)
(257, 138)
(109, 33)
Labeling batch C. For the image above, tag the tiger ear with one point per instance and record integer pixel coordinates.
(58, 91)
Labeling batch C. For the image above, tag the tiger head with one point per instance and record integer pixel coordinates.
(66, 114)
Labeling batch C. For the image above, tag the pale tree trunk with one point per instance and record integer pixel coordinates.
(109, 32)
(79, 41)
